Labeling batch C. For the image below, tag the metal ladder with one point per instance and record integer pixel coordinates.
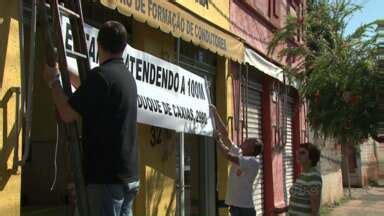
(55, 51)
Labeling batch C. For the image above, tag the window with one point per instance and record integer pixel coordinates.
(197, 54)
(275, 8)
(269, 10)
(296, 9)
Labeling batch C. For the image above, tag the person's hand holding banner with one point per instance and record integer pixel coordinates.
(220, 126)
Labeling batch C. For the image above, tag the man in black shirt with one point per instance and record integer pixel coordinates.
(107, 103)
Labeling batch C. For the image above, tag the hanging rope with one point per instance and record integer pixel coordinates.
(55, 159)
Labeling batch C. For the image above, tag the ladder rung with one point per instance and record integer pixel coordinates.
(75, 54)
(68, 12)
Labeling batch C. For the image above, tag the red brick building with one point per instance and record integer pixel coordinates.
(265, 106)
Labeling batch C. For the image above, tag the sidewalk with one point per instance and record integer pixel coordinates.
(365, 202)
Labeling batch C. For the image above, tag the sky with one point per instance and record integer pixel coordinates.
(371, 11)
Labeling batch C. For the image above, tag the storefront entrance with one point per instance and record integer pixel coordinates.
(199, 175)
(199, 151)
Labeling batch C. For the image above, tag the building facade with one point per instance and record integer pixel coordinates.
(224, 41)
(155, 27)
(266, 106)
(363, 164)
(10, 107)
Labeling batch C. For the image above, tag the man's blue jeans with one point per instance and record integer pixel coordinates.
(237, 211)
(112, 199)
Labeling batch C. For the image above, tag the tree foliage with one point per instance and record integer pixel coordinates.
(336, 73)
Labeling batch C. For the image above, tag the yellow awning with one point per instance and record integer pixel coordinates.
(172, 19)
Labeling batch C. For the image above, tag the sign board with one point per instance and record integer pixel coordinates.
(168, 95)
(172, 19)
(214, 11)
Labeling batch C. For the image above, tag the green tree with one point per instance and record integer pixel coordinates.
(336, 73)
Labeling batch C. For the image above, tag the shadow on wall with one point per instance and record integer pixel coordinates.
(156, 194)
(5, 21)
(9, 140)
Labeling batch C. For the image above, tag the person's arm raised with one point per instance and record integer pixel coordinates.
(224, 149)
(220, 126)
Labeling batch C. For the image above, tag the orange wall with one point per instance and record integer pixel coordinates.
(10, 76)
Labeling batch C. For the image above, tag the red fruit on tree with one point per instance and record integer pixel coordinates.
(353, 99)
(301, 20)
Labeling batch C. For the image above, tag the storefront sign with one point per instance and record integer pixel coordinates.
(169, 96)
(172, 19)
(215, 11)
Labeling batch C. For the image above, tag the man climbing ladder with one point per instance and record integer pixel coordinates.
(107, 103)
(55, 51)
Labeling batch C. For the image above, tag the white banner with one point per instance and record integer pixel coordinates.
(168, 95)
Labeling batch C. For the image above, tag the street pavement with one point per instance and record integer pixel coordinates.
(365, 202)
